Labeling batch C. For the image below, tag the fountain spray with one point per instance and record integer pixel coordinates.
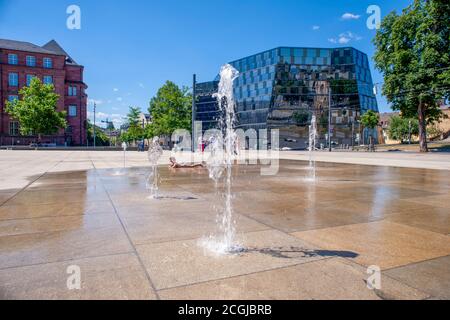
(221, 160)
(312, 148)
(154, 153)
(124, 147)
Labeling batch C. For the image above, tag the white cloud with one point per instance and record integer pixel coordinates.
(345, 38)
(141, 85)
(117, 119)
(315, 28)
(97, 102)
(116, 90)
(102, 115)
(119, 99)
(350, 16)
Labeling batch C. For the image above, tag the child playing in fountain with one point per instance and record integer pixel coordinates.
(175, 165)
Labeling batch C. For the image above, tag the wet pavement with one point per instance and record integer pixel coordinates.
(301, 239)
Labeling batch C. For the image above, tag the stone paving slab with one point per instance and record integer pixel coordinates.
(381, 243)
(164, 228)
(28, 249)
(111, 277)
(329, 279)
(52, 224)
(181, 263)
(57, 209)
(432, 276)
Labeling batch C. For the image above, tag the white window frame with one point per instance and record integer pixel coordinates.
(13, 61)
(47, 77)
(47, 63)
(16, 83)
(29, 59)
(14, 128)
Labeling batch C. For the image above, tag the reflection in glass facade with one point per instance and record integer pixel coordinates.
(282, 88)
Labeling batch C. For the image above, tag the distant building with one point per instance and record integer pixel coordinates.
(284, 87)
(19, 63)
(145, 119)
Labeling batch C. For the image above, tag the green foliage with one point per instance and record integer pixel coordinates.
(399, 128)
(101, 139)
(434, 131)
(36, 110)
(301, 117)
(170, 110)
(124, 137)
(370, 119)
(133, 116)
(413, 53)
(135, 131)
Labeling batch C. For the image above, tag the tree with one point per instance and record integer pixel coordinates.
(36, 110)
(101, 139)
(170, 110)
(413, 53)
(133, 116)
(135, 130)
(401, 128)
(302, 117)
(370, 120)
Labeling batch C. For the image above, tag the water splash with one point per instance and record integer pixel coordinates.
(215, 162)
(154, 154)
(119, 172)
(312, 148)
(221, 161)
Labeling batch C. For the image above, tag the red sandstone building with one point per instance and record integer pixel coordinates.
(19, 63)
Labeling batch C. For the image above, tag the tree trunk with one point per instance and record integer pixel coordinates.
(422, 129)
(371, 143)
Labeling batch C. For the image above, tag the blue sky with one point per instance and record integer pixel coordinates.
(130, 48)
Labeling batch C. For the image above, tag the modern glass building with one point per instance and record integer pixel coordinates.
(284, 87)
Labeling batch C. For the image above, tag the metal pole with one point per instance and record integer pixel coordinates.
(194, 93)
(409, 131)
(353, 134)
(329, 117)
(94, 124)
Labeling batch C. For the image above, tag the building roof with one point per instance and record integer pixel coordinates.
(54, 46)
(51, 47)
(23, 46)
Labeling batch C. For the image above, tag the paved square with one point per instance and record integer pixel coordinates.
(300, 239)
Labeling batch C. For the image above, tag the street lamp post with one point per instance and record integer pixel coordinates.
(95, 106)
(329, 117)
(353, 134)
(194, 92)
(409, 131)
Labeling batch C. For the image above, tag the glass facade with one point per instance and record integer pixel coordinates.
(207, 109)
(284, 87)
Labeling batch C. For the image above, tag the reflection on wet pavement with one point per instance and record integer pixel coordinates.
(352, 217)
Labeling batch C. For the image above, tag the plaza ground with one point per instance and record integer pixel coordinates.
(301, 240)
